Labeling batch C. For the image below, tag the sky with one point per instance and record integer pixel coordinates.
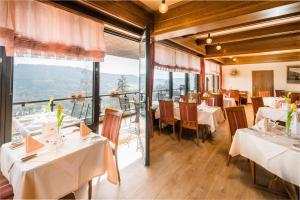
(111, 65)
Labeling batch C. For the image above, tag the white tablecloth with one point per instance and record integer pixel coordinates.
(271, 113)
(55, 173)
(33, 124)
(228, 102)
(208, 115)
(275, 154)
(269, 101)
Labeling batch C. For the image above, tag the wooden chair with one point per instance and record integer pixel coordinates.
(111, 129)
(185, 98)
(189, 118)
(166, 109)
(280, 93)
(235, 94)
(222, 91)
(219, 102)
(237, 119)
(295, 97)
(210, 101)
(257, 102)
(196, 97)
(264, 93)
(6, 190)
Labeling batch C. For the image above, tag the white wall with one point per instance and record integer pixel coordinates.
(244, 79)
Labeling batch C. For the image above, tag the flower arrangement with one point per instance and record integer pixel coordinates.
(290, 112)
(288, 98)
(48, 106)
(59, 116)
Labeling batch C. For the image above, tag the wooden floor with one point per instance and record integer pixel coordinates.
(186, 171)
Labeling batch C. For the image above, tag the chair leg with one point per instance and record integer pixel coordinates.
(228, 160)
(180, 132)
(253, 171)
(90, 189)
(118, 171)
(174, 131)
(159, 125)
(198, 137)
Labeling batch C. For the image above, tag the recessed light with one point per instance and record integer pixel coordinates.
(218, 47)
(234, 59)
(208, 39)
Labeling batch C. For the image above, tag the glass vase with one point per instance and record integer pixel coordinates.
(288, 131)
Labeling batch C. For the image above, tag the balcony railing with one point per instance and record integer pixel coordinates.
(85, 108)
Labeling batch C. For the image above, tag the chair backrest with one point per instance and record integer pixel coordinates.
(236, 118)
(185, 98)
(210, 101)
(264, 93)
(196, 97)
(257, 102)
(77, 110)
(295, 97)
(234, 94)
(124, 103)
(166, 109)
(222, 91)
(218, 100)
(188, 114)
(111, 125)
(280, 93)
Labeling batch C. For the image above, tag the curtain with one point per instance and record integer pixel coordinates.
(34, 28)
(202, 75)
(221, 77)
(211, 67)
(167, 58)
(152, 65)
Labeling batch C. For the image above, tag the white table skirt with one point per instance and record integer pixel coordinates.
(53, 174)
(228, 102)
(207, 115)
(275, 154)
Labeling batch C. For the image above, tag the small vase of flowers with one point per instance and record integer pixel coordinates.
(287, 103)
(290, 114)
(59, 120)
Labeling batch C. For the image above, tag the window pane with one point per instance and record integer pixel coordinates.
(178, 84)
(192, 82)
(160, 85)
(36, 80)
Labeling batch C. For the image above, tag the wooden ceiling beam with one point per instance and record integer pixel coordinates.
(282, 29)
(202, 17)
(270, 44)
(190, 44)
(285, 57)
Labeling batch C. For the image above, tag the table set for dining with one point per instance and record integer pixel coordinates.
(54, 171)
(207, 115)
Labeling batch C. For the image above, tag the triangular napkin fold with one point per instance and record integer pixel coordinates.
(84, 130)
(32, 144)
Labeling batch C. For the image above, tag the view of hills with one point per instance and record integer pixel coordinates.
(40, 82)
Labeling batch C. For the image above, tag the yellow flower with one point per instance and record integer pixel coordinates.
(289, 94)
(293, 106)
(60, 107)
(51, 99)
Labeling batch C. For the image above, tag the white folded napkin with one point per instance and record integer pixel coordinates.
(263, 125)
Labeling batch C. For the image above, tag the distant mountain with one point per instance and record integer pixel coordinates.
(40, 82)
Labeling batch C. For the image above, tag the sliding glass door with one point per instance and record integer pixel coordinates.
(144, 89)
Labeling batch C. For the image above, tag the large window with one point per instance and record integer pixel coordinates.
(178, 84)
(36, 80)
(119, 78)
(192, 82)
(160, 85)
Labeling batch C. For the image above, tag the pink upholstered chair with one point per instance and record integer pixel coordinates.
(111, 129)
(6, 190)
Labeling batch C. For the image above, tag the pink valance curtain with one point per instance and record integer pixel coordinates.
(167, 58)
(211, 67)
(34, 28)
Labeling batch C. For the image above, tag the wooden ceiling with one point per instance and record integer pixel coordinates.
(250, 31)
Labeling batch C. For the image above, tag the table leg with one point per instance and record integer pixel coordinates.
(253, 171)
(90, 190)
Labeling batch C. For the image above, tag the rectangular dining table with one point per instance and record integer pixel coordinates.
(58, 171)
(207, 115)
(274, 152)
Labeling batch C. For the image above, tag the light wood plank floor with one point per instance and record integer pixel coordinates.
(186, 171)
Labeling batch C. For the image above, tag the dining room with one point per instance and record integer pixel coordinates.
(149, 99)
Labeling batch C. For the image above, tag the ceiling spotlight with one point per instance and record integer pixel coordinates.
(230, 57)
(234, 59)
(208, 39)
(218, 47)
(163, 7)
